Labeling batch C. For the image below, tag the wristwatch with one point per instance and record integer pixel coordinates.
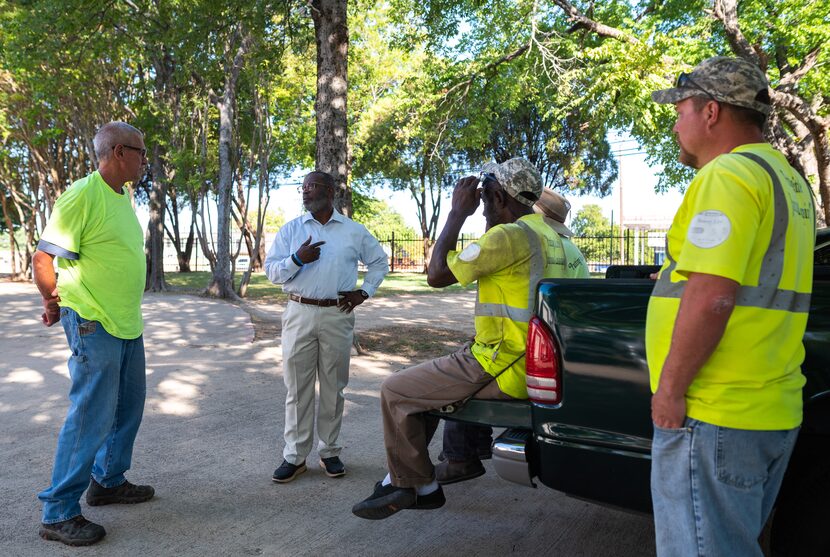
(364, 294)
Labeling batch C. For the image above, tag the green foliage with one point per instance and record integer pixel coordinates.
(597, 239)
(379, 218)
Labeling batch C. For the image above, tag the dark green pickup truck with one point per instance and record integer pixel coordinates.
(586, 430)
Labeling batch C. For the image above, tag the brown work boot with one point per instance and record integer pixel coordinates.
(75, 531)
(451, 471)
(126, 493)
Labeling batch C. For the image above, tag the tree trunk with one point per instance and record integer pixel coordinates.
(155, 226)
(7, 218)
(332, 36)
(221, 285)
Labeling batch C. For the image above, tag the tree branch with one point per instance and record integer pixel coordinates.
(581, 21)
(792, 77)
(726, 11)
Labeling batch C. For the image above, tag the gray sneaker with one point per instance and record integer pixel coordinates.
(287, 472)
(76, 531)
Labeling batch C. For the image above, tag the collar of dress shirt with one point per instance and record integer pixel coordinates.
(335, 216)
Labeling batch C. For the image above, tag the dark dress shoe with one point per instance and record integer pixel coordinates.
(75, 531)
(126, 493)
(386, 500)
(450, 472)
(333, 467)
(287, 472)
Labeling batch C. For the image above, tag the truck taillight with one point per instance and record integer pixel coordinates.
(544, 377)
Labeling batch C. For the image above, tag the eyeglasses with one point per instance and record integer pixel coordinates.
(485, 176)
(310, 186)
(142, 152)
(684, 81)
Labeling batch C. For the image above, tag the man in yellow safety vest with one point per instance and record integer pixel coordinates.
(518, 249)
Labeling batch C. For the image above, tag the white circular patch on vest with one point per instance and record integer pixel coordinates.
(470, 253)
(709, 229)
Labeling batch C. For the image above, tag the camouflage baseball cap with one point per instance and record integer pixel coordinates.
(519, 178)
(729, 80)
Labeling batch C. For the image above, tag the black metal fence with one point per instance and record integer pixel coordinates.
(406, 253)
(632, 247)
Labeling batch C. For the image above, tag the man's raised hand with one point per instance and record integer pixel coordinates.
(466, 196)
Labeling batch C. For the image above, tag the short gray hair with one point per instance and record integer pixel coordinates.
(112, 134)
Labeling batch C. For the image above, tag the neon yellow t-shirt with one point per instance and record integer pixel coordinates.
(100, 248)
(577, 267)
(501, 262)
(732, 223)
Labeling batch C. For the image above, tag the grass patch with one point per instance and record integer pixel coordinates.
(260, 288)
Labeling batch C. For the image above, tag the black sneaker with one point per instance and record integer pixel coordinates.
(450, 471)
(75, 531)
(126, 493)
(287, 472)
(333, 466)
(386, 500)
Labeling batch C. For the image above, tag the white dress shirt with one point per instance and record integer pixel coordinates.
(347, 242)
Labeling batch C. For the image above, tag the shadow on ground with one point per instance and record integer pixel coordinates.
(211, 438)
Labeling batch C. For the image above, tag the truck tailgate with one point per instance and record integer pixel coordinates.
(496, 413)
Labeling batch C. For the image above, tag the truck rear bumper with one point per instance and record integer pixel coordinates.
(510, 456)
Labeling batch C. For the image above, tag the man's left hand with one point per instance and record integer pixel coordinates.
(349, 300)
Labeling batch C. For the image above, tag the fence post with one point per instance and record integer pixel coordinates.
(392, 251)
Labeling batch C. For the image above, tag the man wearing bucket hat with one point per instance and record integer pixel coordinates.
(726, 319)
(465, 444)
(518, 249)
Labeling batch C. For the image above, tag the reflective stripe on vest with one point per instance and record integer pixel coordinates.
(766, 295)
(537, 268)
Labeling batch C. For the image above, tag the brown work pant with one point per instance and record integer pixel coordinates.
(407, 395)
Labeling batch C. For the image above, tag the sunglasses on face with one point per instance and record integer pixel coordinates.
(142, 152)
(684, 81)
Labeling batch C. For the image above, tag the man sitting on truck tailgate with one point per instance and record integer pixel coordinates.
(726, 319)
(465, 444)
(518, 249)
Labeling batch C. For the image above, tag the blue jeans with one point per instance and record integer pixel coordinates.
(713, 487)
(464, 442)
(106, 406)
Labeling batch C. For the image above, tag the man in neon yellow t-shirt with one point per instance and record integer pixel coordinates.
(726, 319)
(94, 233)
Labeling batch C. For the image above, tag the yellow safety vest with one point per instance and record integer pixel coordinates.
(752, 222)
(508, 261)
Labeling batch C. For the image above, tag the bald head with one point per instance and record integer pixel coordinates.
(112, 134)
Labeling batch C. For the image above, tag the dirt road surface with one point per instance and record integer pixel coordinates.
(211, 438)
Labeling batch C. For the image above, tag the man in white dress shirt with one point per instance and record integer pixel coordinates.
(315, 258)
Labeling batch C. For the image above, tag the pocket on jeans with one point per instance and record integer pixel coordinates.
(688, 426)
(668, 440)
(87, 328)
(737, 460)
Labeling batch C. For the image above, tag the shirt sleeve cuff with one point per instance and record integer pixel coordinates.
(57, 251)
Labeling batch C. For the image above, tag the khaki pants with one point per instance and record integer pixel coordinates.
(409, 393)
(316, 344)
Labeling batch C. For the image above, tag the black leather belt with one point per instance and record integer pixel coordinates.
(312, 302)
